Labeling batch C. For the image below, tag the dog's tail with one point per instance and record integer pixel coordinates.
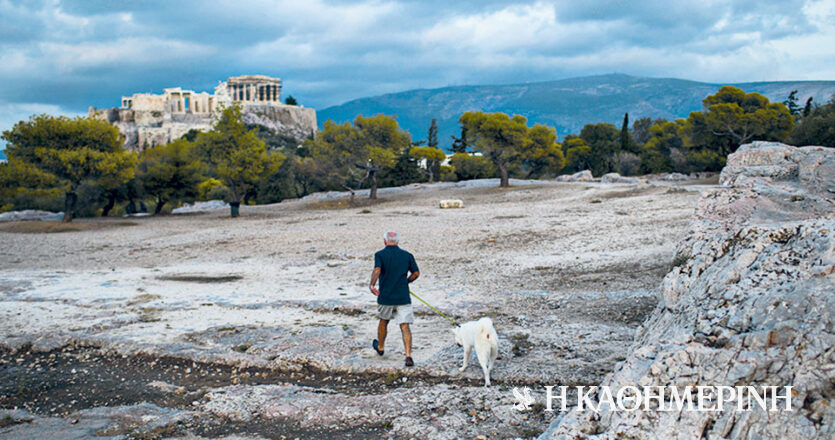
(486, 335)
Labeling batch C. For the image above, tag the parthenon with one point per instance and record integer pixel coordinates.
(252, 88)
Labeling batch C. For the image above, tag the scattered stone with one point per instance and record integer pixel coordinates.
(452, 203)
(617, 178)
(211, 205)
(582, 176)
(31, 214)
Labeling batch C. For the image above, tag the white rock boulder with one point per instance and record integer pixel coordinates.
(451, 203)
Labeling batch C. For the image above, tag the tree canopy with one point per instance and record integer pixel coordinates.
(235, 155)
(732, 117)
(69, 152)
(431, 156)
(169, 172)
(350, 154)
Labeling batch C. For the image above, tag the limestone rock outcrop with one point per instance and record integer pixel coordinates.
(143, 130)
(617, 178)
(580, 176)
(749, 301)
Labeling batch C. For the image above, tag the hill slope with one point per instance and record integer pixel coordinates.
(566, 104)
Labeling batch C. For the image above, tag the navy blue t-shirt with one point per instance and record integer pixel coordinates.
(395, 265)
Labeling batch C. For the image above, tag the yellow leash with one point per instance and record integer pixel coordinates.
(434, 309)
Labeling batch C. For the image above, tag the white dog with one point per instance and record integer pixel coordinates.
(480, 335)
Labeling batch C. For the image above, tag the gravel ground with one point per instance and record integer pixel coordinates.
(567, 271)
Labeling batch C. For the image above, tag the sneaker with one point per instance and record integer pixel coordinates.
(375, 345)
(410, 362)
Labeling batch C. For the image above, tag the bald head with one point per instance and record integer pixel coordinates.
(391, 238)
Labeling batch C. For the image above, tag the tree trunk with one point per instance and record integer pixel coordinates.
(111, 202)
(160, 204)
(70, 200)
(373, 194)
(505, 182)
(431, 174)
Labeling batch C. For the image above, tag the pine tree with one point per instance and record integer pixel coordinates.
(791, 103)
(460, 144)
(624, 133)
(808, 108)
(432, 138)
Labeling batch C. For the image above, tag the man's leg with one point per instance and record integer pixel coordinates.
(382, 330)
(407, 338)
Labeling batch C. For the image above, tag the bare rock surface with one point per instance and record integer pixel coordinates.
(749, 301)
(567, 271)
(617, 178)
(120, 422)
(580, 176)
(30, 214)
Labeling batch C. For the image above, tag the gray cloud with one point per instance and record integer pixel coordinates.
(63, 55)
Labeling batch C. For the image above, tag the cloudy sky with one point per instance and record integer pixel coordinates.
(61, 56)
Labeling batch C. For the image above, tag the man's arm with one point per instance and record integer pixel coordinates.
(374, 275)
(413, 268)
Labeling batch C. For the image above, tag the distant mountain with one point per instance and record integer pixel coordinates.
(566, 104)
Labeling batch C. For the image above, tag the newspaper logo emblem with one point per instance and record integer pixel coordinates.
(523, 399)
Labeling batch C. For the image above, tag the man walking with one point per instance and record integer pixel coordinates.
(395, 268)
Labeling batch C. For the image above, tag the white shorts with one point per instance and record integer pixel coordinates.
(401, 314)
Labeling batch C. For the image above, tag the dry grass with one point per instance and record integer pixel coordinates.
(343, 203)
(41, 227)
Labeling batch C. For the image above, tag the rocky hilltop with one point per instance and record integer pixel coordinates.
(749, 301)
(143, 129)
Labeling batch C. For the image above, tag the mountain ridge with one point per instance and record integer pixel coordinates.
(565, 104)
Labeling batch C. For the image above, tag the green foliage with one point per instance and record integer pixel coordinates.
(235, 155)
(348, 155)
(25, 186)
(603, 140)
(432, 137)
(577, 154)
(499, 137)
(816, 128)
(542, 155)
(206, 186)
(626, 141)
(404, 172)
(640, 129)
(791, 103)
(170, 172)
(72, 151)
(705, 160)
(468, 166)
(190, 136)
(732, 117)
(448, 173)
(664, 139)
(432, 157)
(460, 144)
(290, 100)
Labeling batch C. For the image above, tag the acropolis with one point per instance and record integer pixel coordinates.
(148, 119)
